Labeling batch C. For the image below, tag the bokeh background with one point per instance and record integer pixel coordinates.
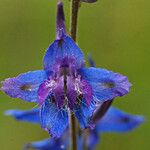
(115, 32)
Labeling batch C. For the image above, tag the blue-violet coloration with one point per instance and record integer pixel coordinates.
(66, 84)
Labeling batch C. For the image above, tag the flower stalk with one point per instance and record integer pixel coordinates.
(73, 34)
(73, 131)
(74, 18)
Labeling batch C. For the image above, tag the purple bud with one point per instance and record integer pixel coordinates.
(60, 22)
(91, 61)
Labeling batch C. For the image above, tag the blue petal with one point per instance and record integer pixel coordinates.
(24, 86)
(31, 115)
(48, 144)
(53, 119)
(83, 112)
(106, 84)
(118, 121)
(63, 52)
(93, 139)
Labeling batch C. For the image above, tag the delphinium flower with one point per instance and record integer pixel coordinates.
(114, 120)
(66, 85)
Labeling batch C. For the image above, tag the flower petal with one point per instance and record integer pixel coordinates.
(53, 119)
(54, 87)
(48, 144)
(63, 52)
(86, 91)
(43, 92)
(116, 120)
(106, 84)
(31, 115)
(78, 89)
(83, 112)
(58, 93)
(24, 86)
(93, 139)
(71, 92)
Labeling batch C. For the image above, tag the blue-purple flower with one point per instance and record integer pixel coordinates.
(114, 120)
(66, 84)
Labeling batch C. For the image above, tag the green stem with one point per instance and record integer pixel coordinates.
(73, 131)
(74, 18)
(73, 33)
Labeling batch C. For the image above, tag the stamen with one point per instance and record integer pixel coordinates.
(50, 83)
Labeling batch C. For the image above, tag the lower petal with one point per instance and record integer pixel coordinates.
(83, 112)
(53, 119)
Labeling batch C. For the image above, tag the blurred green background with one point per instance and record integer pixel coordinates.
(115, 32)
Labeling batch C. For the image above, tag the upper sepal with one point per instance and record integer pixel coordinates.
(91, 140)
(63, 53)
